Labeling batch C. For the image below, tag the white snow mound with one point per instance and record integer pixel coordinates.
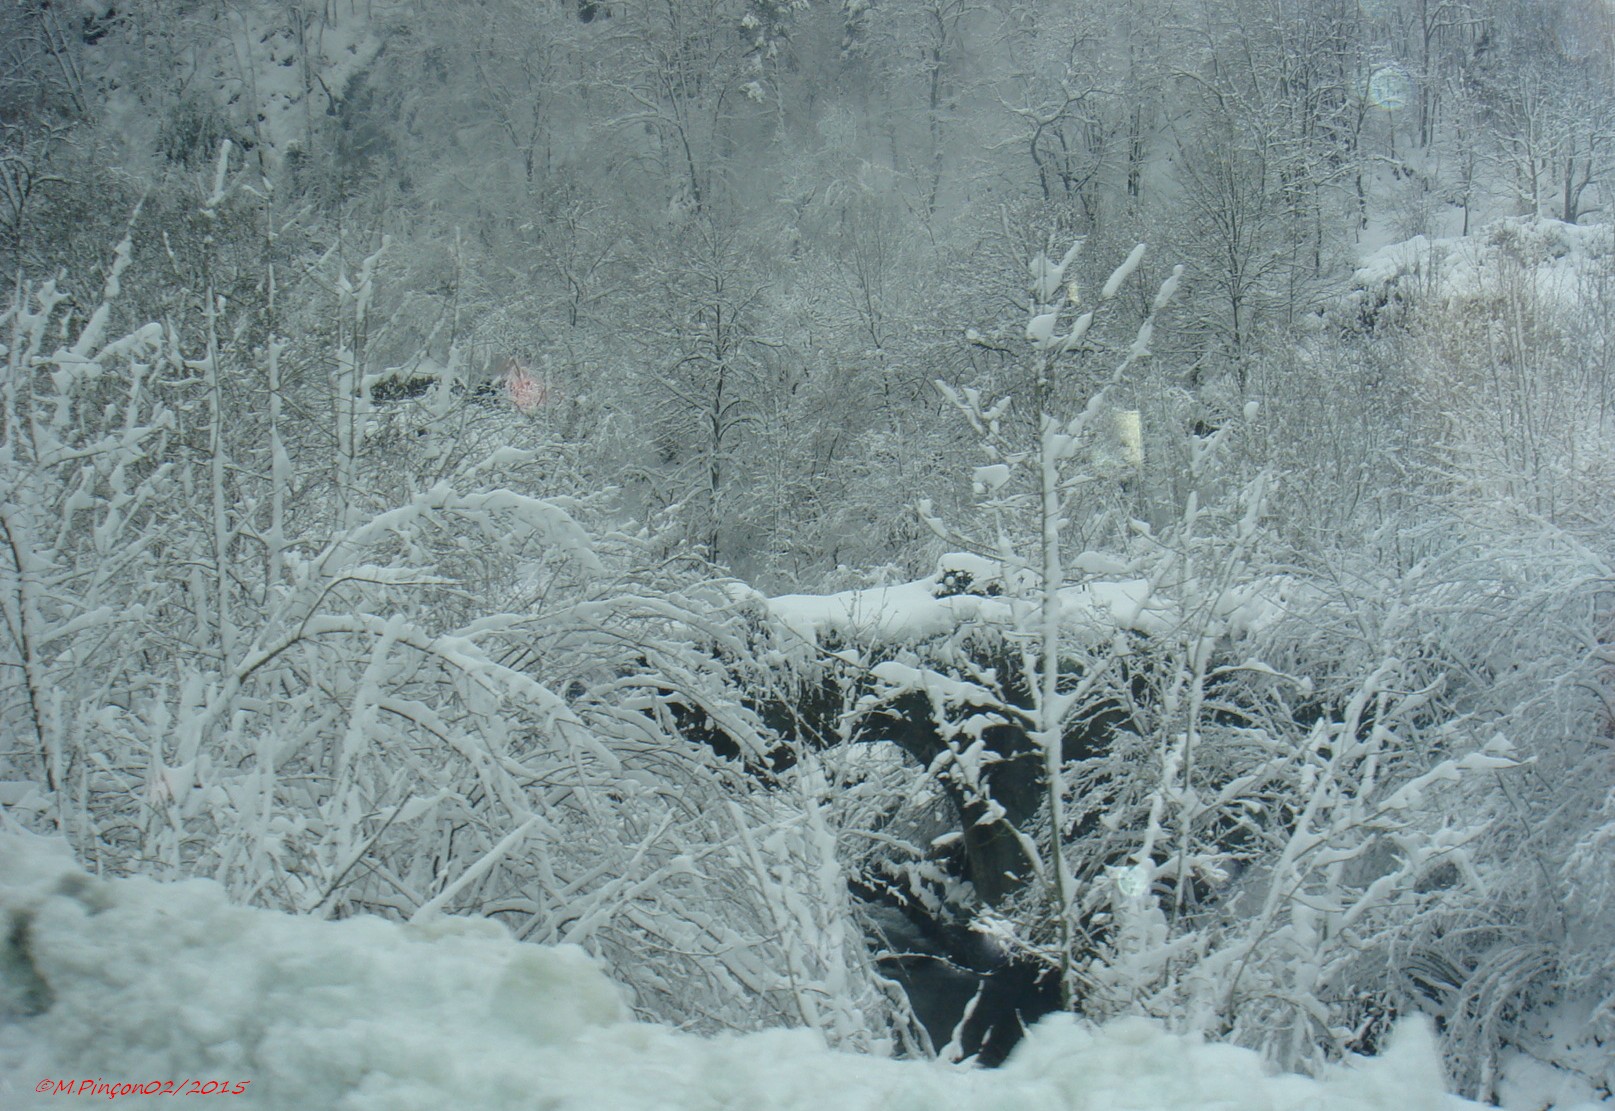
(133, 981)
(1554, 260)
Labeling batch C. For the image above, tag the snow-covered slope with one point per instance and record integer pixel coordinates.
(134, 982)
(269, 73)
(1555, 260)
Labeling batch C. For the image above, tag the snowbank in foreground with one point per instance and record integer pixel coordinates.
(134, 981)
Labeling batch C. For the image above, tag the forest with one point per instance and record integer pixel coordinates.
(892, 517)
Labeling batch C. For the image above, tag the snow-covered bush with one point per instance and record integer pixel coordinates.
(1494, 572)
(225, 656)
(1238, 823)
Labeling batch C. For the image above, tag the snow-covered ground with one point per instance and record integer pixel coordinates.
(135, 982)
(1557, 261)
(1109, 599)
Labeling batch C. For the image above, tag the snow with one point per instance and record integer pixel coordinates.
(252, 67)
(1168, 290)
(912, 612)
(1529, 1084)
(1109, 602)
(1041, 329)
(131, 981)
(1557, 258)
(879, 614)
(1122, 272)
(991, 479)
(1563, 1066)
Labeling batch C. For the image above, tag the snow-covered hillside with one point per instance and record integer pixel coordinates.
(134, 982)
(1555, 263)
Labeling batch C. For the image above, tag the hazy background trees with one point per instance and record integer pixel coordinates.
(537, 166)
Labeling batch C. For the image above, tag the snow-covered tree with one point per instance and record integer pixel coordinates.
(1030, 492)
